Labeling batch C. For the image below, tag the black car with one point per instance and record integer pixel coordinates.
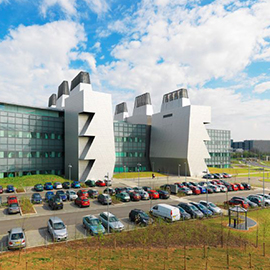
(56, 203)
(36, 198)
(227, 185)
(119, 190)
(38, 187)
(66, 185)
(246, 186)
(163, 194)
(146, 188)
(192, 210)
(93, 193)
(140, 217)
(184, 214)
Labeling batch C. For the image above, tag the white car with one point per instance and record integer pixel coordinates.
(57, 185)
(214, 187)
(144, 195)
(222, 188)
(57, 229)
(71, 195)
(212, 207)
(266, 198)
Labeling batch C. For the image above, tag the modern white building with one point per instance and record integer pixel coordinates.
(89, 136)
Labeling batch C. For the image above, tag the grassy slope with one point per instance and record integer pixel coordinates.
(30, 180)
(135, 175)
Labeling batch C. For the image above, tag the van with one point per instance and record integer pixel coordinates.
(166, 211)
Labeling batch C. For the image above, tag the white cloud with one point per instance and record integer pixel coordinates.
(262, 87)
(98, 6)
(68, 6)
(35, 59)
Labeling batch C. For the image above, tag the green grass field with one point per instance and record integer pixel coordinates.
(135, 175)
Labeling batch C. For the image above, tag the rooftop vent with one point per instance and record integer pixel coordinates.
(82, 77)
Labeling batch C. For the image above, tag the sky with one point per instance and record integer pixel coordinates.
(219, 50)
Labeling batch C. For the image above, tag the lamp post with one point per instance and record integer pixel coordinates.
(179, 168)
(185, 171)
(125, 171)
(153, 166)
(263, 188)
(249, 174)
(69, 171)
(138, 167)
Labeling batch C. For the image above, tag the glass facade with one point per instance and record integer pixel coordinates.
(219, 148)
(31, 141)
(131, 147)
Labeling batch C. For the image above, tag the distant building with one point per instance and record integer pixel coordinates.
(262, 146)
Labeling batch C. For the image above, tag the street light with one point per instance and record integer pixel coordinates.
(138, 167)
(249, 174)
(69, 171)
(179, 168)
(263, 187)
(185, 171)
(125, 171)
(153, 166)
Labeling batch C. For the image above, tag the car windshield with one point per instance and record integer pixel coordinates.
(113, 219)
(144, 215)
(85, 200)
(49, 183)
(193, 208)
(72, 192)
(212, 205)
(13, 205)
(201, 207)
(39, 185)
(59, 226)
(36, 196)
(61, 192)
(16, 236)
(57, 199)
(181, 210)
(94, 222)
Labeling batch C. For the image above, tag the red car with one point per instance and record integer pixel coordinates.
(100, 183)
(234, 187)
(195, 190)
(1, 189)
(240, 186)
(12, 199)
(82, 202)
(180, 185)
(153, 194)
(134, 196)
(83, 193)
(236, 201)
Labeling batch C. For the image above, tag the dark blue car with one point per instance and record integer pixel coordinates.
(75, 184)
(61, 194)
(48, 186)
(10, 188)
(48, 195)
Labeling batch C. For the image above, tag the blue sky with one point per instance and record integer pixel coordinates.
(219, 50)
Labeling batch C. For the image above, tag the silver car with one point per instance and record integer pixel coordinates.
(71, 195)
(13, 208)
(144, 195)
(111, 222)
(57, 229)
(16, 238)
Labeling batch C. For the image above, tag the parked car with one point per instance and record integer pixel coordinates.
(144, 195)
(83, 193)
(172, 189)
(119, 190)
(191, 209)
(123, 196)
(264, 199)
(184, 215)
(48, 195)
(1, 190)
(110, 191)
(100, 183)
(145, 188)
(240, 186)
(16, 238)
(217, 176)
(48, 186)
(10, 189)
(202, 208)
(75, 184)
(195, 190)
(13, 205)
(57, 185)
(108, 182)
(134, 196)
(93, 225)
(36, 198)
(71, 195)
(140, 217)
(163, 194)
(234, 187)
(185, 190)
(180, 185)
(226, 175)
(57, 229)
(246, 186)
(82, 202)
(138, 189)
(93, 193)
(90, 183)
(166, 211)
(250, 203)
(66, 185)
(128, 189)
(215, 188)
(111, 222)
(38, 187)
(227, 185)
(211, 206)
(55, 203)
(153, 194)
(256, 200)
(208, 176)
(222, 188)
(61, 194)
(104, 199)
(236, 201)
